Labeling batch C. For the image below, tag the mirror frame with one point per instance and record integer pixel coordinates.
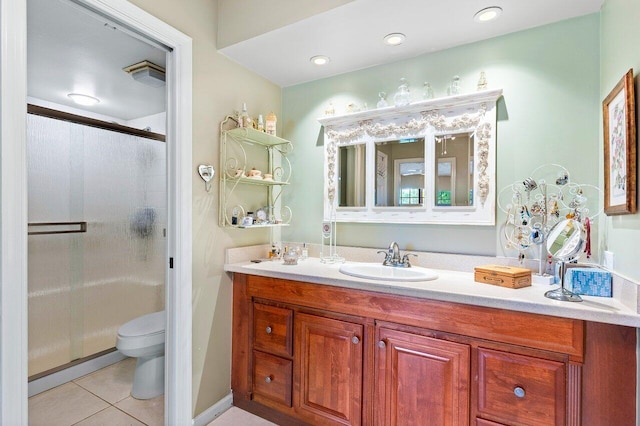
(473, 112)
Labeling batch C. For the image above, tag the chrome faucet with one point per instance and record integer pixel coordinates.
(392, 256)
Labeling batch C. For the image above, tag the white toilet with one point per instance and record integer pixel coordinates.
(143, 338)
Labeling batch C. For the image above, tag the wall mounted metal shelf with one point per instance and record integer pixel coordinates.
(241, 150)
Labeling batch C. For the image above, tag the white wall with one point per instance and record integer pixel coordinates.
(219, 87)
(620, 36)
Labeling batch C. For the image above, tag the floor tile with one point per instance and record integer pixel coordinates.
(112, 383)
(63, 406)
(234, 416)
(111, 417)
(148, 411)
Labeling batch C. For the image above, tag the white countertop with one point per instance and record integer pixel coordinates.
(451, 286)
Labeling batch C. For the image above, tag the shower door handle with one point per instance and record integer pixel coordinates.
(48, 228)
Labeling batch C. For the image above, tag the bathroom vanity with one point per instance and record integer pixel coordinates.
(323, 348)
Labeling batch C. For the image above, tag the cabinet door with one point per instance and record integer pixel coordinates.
(421, 380)
(328, 384)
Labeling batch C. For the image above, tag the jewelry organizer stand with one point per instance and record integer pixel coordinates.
(541, 200)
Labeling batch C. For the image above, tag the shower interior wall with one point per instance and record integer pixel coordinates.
(84, 286)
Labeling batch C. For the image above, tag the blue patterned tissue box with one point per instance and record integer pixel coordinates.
(588, 281)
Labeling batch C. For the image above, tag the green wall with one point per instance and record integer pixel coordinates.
(620, 39)
(549, 113)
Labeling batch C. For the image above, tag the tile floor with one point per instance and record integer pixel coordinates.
(103, 398)
(100, 398)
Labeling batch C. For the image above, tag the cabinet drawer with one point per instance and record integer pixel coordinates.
(520, 390)
(272, 378)
(273, 329)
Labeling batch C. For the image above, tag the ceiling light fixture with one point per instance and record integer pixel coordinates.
(394, 39)
(83, 99)
(487, 14)
(320, 60)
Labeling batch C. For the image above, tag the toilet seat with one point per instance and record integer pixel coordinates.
(142, 332)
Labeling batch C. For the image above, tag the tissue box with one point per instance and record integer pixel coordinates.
(588, 281)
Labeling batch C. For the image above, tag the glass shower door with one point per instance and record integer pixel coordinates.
(100, 261)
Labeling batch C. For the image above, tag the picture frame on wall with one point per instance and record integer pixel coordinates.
(618, 112)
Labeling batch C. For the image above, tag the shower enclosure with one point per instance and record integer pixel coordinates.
(97, 246)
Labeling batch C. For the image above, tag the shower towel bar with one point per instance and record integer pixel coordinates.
(68, 228)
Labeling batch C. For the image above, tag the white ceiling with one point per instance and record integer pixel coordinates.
(351, 35)
(72, 50)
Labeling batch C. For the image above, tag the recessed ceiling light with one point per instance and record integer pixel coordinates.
(320, 60)
(487, 14)
(83, 99)
(394, 39)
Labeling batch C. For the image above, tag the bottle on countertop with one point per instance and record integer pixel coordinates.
(270, 124)
(305, 252)
(260, 123)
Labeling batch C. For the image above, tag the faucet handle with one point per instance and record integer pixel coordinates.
(387, 256)
(405, 258)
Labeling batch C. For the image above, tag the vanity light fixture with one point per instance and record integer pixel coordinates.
(320, 60)
(83, 99)
(394, 39)
(487, 14)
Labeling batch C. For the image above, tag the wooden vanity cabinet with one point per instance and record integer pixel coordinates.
(323, 355)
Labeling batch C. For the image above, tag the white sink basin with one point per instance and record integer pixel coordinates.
(377, 271)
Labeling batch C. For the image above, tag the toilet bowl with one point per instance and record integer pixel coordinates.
(143, 338)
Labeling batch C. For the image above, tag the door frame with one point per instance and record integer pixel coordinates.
(13, 207)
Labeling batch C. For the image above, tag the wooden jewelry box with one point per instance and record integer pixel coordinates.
(503, 276)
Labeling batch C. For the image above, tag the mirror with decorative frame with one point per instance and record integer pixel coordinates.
(431, 161)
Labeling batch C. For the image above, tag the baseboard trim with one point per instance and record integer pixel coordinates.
(209, 415)
(64, 376)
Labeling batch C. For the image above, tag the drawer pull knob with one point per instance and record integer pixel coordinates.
(268, 379)
(355, 340)
(519, 392)
(268, 330)
(382, 344)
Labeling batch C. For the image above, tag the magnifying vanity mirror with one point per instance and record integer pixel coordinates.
(431, 161)
(564, 243)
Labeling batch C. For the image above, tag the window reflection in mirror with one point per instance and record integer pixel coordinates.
(352, 176)
(454, 169)
(400, 172)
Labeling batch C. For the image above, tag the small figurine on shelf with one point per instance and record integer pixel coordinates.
(427, 91)
(351, 107)
(270, 125)
(330, 110)
(260, 124)
(454, 89)
(402, 96)
(382, 103)
(482, 82)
